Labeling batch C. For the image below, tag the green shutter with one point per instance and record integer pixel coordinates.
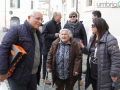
(18, 3)
(11, 3)
(31, 4)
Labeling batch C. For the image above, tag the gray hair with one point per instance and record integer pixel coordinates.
(73, 13)
(69, 32)
(31, 13)
(54, 14)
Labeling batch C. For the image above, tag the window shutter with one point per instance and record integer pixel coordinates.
(31, 4)
(18, 3)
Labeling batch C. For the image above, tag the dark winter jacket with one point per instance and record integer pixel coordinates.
(21, 35)
(108, 62)
(48, 32)
(75, 59)
(78, 32)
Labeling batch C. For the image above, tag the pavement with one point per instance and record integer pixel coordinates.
(42, 85)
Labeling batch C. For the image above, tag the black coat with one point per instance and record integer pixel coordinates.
(108, 62)
(48, 32)
(78, 32)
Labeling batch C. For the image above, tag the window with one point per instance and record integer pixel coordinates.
(89, 3)
(73, 3)
(15, 3)
(31, 4)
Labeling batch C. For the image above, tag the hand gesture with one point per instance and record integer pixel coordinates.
(81, 44)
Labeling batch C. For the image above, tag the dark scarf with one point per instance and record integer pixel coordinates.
(73, 25)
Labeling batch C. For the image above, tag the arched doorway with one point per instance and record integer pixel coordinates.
(14, 21)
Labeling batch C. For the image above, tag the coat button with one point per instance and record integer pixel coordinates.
(22, 66)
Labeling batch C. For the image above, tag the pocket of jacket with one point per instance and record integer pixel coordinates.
(25, 43)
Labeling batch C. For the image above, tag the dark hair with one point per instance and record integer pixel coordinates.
(73, 13)
(96, 13)
(101, 26)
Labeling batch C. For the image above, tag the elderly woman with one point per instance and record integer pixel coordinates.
(78, 32)
(103, 62)
(64, 59)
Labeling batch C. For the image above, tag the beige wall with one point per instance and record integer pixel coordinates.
(111, 15)
(21, 13)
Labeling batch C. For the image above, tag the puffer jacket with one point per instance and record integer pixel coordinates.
(21, 35)
(108, 62)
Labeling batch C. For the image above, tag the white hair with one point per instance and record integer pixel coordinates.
(31, 13)
(69, 32)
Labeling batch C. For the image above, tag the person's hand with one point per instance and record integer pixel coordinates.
(81, 44)
(3, 77)
(114, 79)
(48, 70)
(56, 35)
(75, 74)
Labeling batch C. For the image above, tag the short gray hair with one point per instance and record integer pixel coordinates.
(31, 13)
(54, 14)
(69, 32)
(73, 13)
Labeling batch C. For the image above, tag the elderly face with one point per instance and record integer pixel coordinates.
(73, 18)
(35, 20)
(64, 37)
(58, 17)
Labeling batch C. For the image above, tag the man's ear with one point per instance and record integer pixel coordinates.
(29, 17)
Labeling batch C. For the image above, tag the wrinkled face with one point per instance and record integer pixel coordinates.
(73, 18)
(58, 17)
(94, 17)
(94, 29)
(64, 37)
(35, 20)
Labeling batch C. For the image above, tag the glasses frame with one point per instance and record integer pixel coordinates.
(72, 16)
(38, 18)
(93, 25)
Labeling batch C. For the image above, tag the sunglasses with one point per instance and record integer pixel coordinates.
(72, 16)
(93, 25)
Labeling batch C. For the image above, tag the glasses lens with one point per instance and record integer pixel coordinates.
(93, 25)
(70, 16)
(73, 16)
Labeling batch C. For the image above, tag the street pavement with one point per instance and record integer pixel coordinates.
(42, 85)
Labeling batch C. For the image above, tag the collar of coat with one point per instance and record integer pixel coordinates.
(29, 27)
(55, 21)
(104, 37)
(56, 42)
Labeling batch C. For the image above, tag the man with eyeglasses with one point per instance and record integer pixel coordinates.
(50, 32)
(26, 76)
(78, 32)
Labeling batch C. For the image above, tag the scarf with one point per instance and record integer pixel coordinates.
(73, 25)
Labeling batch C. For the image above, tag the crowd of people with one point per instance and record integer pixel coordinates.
(61, 50)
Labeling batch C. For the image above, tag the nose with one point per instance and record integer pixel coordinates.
(40, 21)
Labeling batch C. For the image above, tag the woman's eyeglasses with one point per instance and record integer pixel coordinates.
(93, 25)
(72, 16)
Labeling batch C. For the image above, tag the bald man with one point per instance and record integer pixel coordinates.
(50, 32)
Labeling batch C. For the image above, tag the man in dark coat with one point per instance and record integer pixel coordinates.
(26, 76)
(50, 32)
